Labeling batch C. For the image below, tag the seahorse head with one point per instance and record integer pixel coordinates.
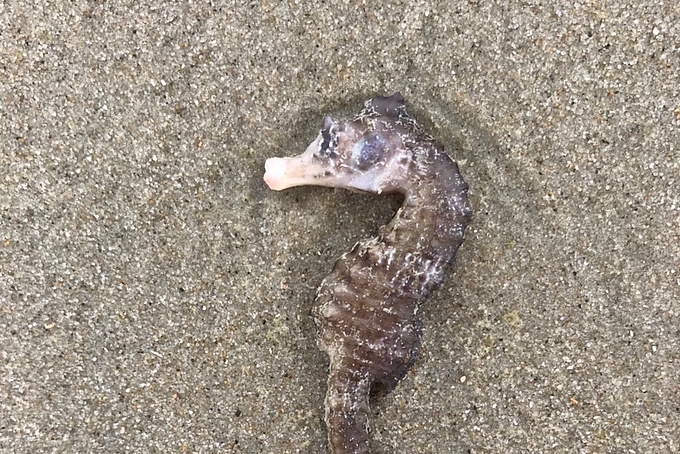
(366, 154)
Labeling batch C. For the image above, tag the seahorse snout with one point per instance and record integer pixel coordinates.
(275, 174)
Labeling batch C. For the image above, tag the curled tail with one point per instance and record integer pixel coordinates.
(347, 410)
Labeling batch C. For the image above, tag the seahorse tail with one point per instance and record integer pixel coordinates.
(347, 410)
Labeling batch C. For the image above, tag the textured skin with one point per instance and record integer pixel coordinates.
(366, 308)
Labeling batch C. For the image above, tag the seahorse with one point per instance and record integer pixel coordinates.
(366, 309)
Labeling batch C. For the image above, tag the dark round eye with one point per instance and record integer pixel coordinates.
(328, 145)
(326, 142)
(368, 150)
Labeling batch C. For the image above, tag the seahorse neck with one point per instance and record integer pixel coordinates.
(428, 228)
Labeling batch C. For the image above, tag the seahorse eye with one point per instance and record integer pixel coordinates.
(326, 142)
(368, 150)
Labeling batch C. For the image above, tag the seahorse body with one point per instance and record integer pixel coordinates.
(366, 308)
